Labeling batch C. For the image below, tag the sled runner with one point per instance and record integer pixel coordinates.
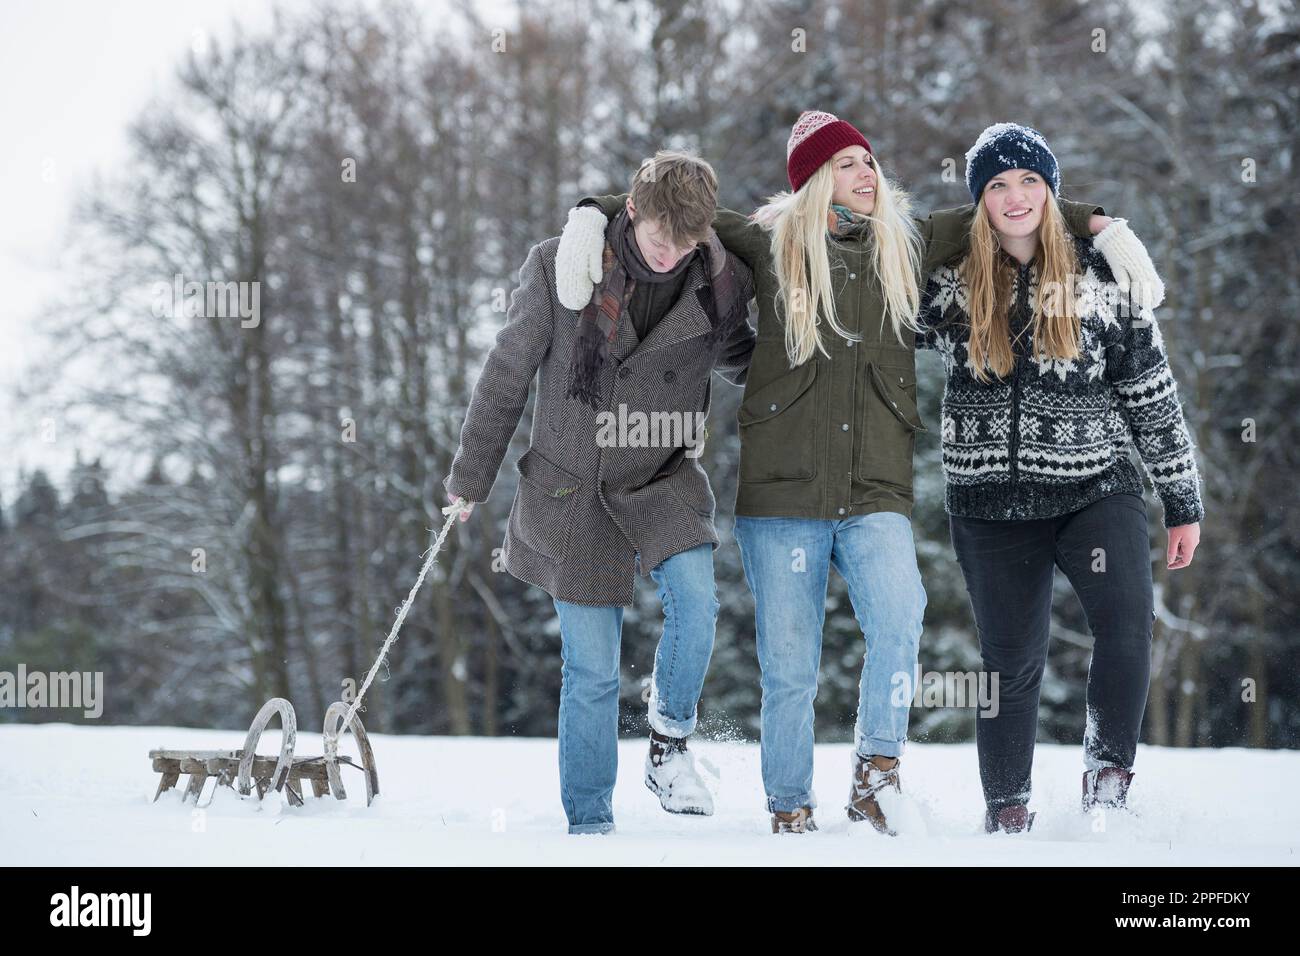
(245, 769)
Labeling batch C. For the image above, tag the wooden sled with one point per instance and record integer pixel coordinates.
(245, 769)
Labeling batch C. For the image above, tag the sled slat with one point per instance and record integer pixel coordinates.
(168, 781)
(197, 779)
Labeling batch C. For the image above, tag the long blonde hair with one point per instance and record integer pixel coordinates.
(798, 223)
(989, 276)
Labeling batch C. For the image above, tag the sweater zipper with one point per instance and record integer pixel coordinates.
(1022, 295)
(1015, 422)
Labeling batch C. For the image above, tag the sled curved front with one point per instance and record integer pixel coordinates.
(334, 718)
(289, 723)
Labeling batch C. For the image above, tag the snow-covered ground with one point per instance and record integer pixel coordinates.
(81, 795)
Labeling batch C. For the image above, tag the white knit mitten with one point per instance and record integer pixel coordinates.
(1132, 266)
(577, 259)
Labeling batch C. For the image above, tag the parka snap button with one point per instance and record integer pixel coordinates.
(771, 408)
(844, 427)
(853, 275)
(841, 511)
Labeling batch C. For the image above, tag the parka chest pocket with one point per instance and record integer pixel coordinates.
(778, 428)
(541, 517)
(891, 422)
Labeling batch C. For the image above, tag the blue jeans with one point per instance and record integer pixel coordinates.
(787, 562)
(590, 639)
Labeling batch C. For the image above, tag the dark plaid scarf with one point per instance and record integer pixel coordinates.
(598, 321)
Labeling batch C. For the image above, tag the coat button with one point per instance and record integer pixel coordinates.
(624, 371)
(771, 408)
(669, 375)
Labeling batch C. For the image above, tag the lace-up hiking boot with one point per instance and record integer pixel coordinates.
(795, 821)
(1107, 787)
(1014, 818)
(870, 776)
(670, 775)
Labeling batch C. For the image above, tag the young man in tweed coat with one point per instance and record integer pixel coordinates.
(611, 483)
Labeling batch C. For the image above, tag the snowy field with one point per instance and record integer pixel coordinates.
(77, 795)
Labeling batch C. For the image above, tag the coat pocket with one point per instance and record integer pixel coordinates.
(897, 388)
(892, 421)
(542, 515)
(691, 486)
(778, 428)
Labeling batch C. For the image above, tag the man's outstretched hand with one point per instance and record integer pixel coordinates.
(466, 507)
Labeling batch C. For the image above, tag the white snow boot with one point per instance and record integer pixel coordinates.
(670, 774)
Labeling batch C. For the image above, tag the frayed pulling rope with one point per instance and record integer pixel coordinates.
(452, 511)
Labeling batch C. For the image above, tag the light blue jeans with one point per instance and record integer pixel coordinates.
(787, 562)
(590, 638)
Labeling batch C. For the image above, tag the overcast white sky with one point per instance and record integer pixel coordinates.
(74, 73)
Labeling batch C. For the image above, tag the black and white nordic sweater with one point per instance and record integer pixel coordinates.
(1054, 435)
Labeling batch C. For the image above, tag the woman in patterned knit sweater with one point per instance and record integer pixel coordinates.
(1052, 374)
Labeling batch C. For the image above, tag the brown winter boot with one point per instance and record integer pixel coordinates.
(870, 776)
(1014, 818)
(796, 821)
(1107, 787)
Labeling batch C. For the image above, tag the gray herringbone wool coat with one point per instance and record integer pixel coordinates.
(585, 508)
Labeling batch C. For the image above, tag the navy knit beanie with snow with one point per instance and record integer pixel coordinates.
(1004, 146)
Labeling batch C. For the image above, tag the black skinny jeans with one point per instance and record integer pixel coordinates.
(1008, 566)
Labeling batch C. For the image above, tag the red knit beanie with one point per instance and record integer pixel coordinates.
(815, 138)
